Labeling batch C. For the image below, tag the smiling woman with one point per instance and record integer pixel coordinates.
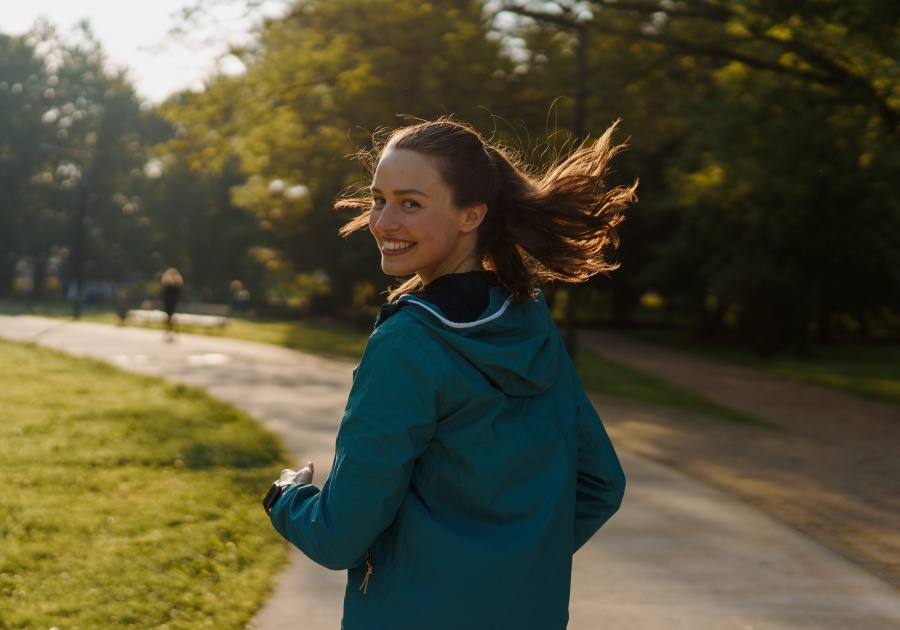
(418, 227)
(470, 465)
(528, 231)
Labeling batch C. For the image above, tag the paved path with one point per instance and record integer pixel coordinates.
(679, 555)
(830, 466)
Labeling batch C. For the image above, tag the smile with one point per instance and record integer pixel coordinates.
(396, 247)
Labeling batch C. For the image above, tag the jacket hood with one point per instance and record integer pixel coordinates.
(515, 346)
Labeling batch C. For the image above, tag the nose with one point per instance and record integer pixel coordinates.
(385, 220)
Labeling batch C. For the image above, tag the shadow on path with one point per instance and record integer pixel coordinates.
(830, 467)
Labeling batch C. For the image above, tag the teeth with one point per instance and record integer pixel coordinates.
(396, 245)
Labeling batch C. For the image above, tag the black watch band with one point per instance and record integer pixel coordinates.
(273, 495)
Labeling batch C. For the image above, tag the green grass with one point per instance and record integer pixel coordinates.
(336, 339)
(127, 501)
(610, 378)
(867, 369)
(48, 308)
(328, 339)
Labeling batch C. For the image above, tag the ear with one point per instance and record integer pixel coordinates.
(473, 216)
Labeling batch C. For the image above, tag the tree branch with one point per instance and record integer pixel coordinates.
(717, 14)
(830, 72)
(543, 17)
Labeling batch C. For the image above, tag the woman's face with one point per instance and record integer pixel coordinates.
(414, 221)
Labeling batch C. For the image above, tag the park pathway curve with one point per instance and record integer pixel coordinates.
(828, 465)
(680, 555)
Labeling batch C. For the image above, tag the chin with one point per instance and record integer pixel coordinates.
(393, 269)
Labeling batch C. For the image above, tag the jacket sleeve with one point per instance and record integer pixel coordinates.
(388, 421)
(601, 481)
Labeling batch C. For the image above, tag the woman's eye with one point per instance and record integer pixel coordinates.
(378, 201)
(409, 203)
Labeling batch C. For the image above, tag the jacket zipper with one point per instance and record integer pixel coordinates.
(365, 585)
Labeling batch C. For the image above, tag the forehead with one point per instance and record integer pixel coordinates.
(405, 169)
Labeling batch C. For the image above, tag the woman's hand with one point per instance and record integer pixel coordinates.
(302, 476)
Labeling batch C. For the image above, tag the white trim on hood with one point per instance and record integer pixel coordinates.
(447, 322)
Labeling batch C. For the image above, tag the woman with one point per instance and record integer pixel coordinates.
(470, 465)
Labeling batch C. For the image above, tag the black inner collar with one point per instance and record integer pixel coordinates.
(462, 297)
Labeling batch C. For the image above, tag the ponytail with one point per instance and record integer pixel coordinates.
(556, 226)
(551, 227)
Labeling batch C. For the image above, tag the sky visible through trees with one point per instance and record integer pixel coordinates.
(766, 136)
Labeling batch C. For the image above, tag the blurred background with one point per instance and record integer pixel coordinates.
(765, 134)
(212, 137)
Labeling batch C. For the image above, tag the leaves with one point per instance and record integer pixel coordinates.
(318, 84)
(766, 135)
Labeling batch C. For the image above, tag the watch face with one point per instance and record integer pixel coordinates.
(272, 497)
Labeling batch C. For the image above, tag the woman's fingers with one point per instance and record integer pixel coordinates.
(306, 475)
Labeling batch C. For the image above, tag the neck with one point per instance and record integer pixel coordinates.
(468, 264)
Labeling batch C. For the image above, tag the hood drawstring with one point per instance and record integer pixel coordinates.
(365, 585)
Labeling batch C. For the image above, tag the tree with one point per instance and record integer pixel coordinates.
(17, 63)
(71, 145)
(765, 134)
(320, 81)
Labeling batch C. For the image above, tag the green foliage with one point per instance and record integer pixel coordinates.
(127, 500)
(84, 194)
(71, 151)
(766, 136)
(318, 84)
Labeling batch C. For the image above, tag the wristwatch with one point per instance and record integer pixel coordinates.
(274, 494)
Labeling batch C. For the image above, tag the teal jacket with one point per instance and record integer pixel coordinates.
(469, 467)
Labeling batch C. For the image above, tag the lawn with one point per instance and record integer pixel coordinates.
(128, 502)
(339, 339)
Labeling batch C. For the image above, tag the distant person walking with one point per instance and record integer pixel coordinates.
(172, 282)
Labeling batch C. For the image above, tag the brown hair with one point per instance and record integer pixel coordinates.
(551, 227)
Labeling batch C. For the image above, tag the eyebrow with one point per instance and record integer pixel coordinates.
(402, 191)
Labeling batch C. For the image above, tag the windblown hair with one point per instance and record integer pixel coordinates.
(554, 226)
